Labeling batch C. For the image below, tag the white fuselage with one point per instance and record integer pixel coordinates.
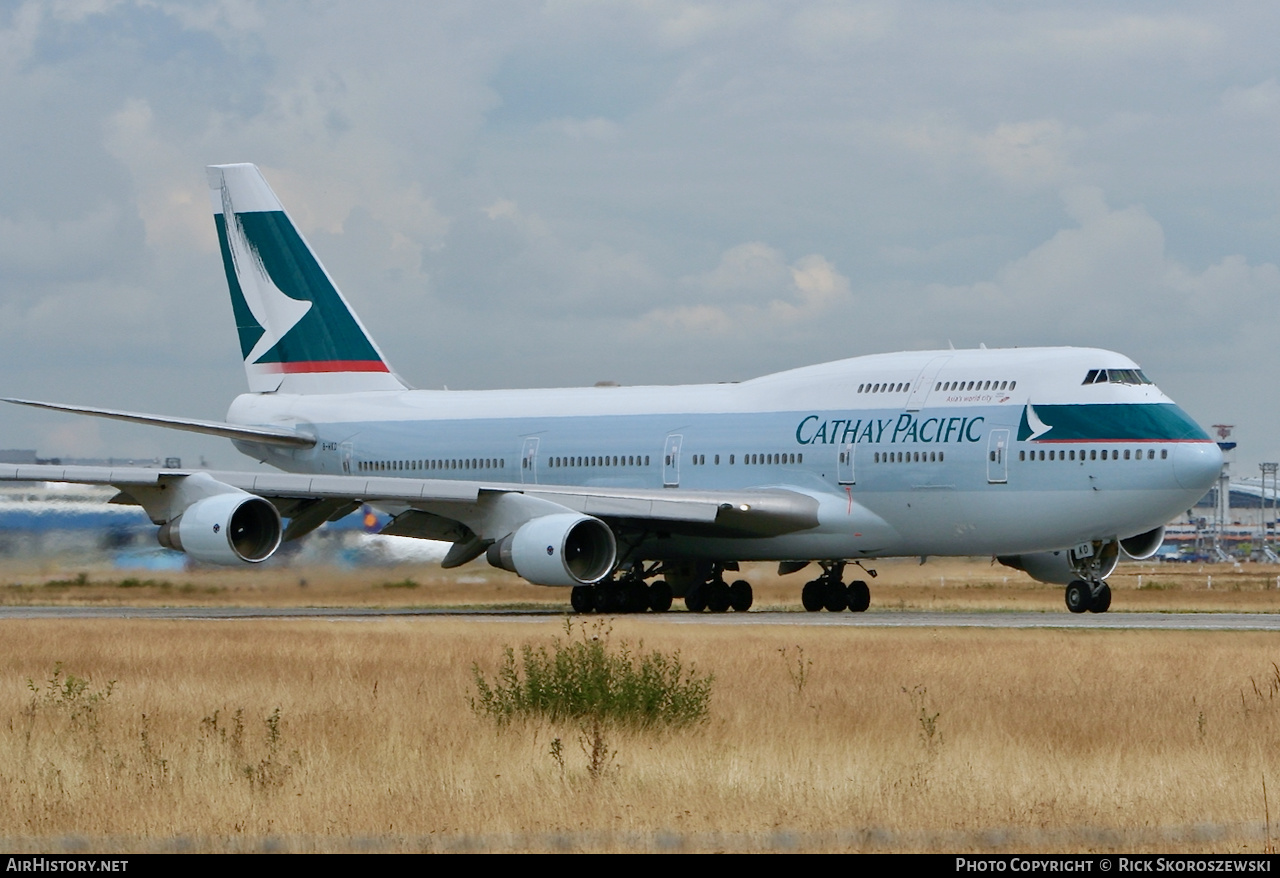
(917, 453)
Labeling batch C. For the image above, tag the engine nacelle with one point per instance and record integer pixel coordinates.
(1061, 567)
(231, 528)
(1143, 546)
(560, 549)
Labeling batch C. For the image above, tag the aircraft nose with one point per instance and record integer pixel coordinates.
(1197, 465)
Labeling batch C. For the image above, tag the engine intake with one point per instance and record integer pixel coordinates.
(231, 528)
(1143, 546)
(560, 549)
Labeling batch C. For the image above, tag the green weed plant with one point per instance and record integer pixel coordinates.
(585, 678)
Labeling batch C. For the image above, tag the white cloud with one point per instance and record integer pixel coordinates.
(90, 245)
(753, 289)
(826, 28)
(1260, 100)
(17, 43)
(1111, 276)
(1023, 155)
(1026, 153)
(596, 128)
(1137, 35)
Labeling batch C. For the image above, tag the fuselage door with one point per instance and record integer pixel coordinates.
(844, 464)
(346, 450)
(671, 461)
(998, 457)
(923, 385)
(529, 461)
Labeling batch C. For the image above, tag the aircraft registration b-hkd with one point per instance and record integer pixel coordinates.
(1055, 460)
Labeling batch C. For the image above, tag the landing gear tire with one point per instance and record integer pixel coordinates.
(1101, 600)
(740, 596)
(609, 598)
(583, 598)
(1080, 596)
(635, 596)
(835, 599)
(811, 596)
(859, 596)
(695, 599)
(660, 596)
(718, 597)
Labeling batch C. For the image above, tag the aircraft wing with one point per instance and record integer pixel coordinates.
(435, 508)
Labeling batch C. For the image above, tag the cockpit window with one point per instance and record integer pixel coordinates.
(1115, 376)
(1127, 376)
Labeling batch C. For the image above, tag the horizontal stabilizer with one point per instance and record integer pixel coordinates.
(264, 435)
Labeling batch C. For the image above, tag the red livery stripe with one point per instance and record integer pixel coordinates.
(326, 366)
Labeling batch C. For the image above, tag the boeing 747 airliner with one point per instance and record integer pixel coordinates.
(1054, 460)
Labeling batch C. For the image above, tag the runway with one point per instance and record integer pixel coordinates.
(874, 619)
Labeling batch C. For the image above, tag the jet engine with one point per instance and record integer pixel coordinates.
(1143, 546)
(1061, 567)
(230, 528)
(560, 549)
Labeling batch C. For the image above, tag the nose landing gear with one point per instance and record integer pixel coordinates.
(1088, 597)
(1092, 562)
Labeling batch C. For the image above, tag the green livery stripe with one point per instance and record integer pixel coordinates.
(1144, 422)
(327, 333)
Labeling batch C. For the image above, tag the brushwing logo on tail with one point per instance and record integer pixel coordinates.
(274, 312)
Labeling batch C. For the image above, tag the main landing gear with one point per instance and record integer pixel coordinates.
(828, 592)
(702, 585)
(631, 594)
(719, 596)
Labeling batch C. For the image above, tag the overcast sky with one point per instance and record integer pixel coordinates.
(538, 194)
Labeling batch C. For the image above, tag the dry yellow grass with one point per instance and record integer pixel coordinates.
(1045, 740)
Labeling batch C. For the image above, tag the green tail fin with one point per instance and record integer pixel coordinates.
(297, 332)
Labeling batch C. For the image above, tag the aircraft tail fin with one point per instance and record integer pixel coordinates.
(297, 332)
